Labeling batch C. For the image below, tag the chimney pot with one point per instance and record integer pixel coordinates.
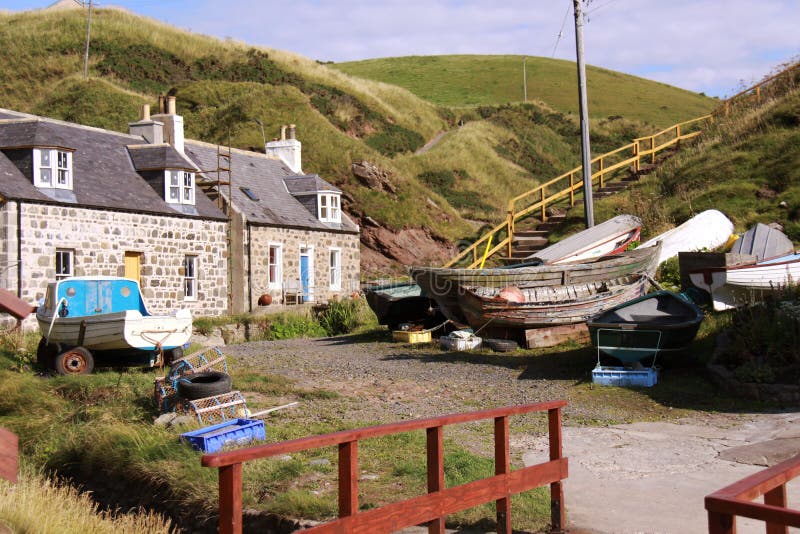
(145, 112)
(170, 105)
(292, 131)
(283, 132)
(161, 104)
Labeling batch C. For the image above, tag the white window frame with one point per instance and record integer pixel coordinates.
(335, 268)
(329, 207)
(191, 266)
(184, 187)
(60, 167)
(62, 253)
(275, 282)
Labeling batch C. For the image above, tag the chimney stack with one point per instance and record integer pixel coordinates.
(152, 131)
(173, 123)
(288, 149)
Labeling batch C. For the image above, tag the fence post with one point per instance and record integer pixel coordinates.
(544, 209)
(230, 499)
(510, 223)
(502, 466)
(653, 149)
(776, 497)
(719, 523)
(435, 449)
(602, 174)
(571, 189)
(558, 520)
(348, 479)
(636, 155)
(758, 94)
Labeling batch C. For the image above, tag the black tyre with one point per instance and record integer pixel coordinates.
(75, 361)
(46, 353)
(501, 345)
(202, 385)
(173, 355)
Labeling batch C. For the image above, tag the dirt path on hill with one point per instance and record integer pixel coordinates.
(432, 143)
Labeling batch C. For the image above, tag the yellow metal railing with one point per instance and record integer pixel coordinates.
(606, 166)
(569, 183)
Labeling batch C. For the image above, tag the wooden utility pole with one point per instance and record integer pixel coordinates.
(584, 111)
(88, 36)
(524, 79)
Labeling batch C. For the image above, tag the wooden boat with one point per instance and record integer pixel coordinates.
(403, 302)
(763, 242)
(101, 313)
(730, 287)
(658, 322)
(443, 285)
(610, 237)
(705, 231)
(547, 305)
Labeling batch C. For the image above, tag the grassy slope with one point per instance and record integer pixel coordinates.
(487, 80)
(223, 85)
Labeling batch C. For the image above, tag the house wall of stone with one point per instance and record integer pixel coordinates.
(100, 239)
(291, 241)
(8, 247)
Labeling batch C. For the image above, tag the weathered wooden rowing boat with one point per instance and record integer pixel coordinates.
(444, 285)
(705, 231)
(547, 305)
(610, 237)
(103, 313)
(402, 302)
(658, 322)
(763, 242)
(731, 287)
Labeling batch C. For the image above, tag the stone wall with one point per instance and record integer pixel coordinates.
(100, 239)
(292, 240)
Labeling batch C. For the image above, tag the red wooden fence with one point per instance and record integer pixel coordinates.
(431, 508)
(736, 500)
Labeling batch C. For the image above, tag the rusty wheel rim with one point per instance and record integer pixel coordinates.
(74, 362)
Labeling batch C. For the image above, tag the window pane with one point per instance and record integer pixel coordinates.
(63, 177)
(323, 200)
(335, 201)
(323, 213)
(46, 176)
(173, 178)
(174, 193)
(187, 179)
(45, 158)
(62, 160)
(187, 194)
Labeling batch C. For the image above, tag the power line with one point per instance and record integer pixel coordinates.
(561, 31)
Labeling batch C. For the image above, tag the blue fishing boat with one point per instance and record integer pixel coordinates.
(658, 322)
(102, 314)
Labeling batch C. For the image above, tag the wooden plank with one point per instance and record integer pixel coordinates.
(348, 478)
(549, 337)
(502, 466)
(721, 523)
(776, 497)
(558, 518)
(435, 456)
(761, 482)
(9, 455)
(230, 499)
(763, 512)
(336, 438)
(418, 510)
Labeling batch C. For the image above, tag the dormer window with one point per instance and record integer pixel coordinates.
(52, 168)
(179, 187)
(329, 211)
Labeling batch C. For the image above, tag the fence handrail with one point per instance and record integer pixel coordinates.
(431, 508)
(764, 82)
(735, 500)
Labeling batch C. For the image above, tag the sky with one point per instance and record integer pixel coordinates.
(712, 46)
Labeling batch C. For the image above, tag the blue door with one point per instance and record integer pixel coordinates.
(304, 275)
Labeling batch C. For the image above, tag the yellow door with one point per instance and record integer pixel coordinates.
(133, 263)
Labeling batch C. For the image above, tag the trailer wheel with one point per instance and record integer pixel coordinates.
(202, 385)
(75, 361)
(46, 353)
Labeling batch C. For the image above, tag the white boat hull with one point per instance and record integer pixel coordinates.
(707, 230)
(737, 286)
(119, 331)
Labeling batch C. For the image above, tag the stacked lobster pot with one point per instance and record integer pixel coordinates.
(199, 385)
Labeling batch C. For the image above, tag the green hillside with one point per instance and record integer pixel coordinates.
(487, 154)
(490, 80)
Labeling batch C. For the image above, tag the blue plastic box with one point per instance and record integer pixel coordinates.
(619, 376)
(234, 432)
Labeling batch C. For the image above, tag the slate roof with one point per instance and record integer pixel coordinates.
(103, 173)
(266, 177)
(155, 157)
(308, 183)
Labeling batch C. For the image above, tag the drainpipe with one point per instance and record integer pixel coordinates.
(19, 249)
(249, 270)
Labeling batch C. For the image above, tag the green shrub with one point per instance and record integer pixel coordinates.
(290, 326)
(341, 317)
(395, 139)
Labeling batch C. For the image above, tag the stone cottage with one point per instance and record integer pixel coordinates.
(76, 200)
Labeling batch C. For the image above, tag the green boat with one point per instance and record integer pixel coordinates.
(658, 322)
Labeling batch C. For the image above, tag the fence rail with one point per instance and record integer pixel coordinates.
(431, 508)
(736, 500)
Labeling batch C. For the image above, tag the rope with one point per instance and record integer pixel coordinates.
(437, 327)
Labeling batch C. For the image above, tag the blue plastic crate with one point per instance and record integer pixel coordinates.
(234, 432)
(619, 376)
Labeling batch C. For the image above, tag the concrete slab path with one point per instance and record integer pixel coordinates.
(653, 477)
